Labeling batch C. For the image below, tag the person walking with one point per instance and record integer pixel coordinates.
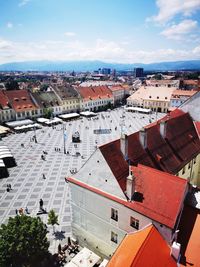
(26, 210)
(41, 204)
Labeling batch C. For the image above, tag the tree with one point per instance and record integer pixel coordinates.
(44, 87)
(52, 219)
(12, 85)
(48, 112)
(23, 242)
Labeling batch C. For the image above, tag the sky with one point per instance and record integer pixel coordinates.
(125, 31)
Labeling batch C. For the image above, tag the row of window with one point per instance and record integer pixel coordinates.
(96, 103)
(133, 221)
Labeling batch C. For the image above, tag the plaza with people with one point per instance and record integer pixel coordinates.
(37, 182)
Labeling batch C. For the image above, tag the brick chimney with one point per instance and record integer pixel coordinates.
(143, 137)
(130, 184)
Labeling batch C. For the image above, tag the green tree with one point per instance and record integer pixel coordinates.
(52, 219)
(23, 242)
(48, 112)
(44, 87)
(12, 85)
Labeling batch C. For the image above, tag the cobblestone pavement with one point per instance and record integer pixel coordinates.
(28, 185)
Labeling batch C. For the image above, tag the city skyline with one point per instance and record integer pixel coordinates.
(112, 31)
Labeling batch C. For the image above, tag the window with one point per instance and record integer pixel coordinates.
(134, 223)
(114, 237)
(189, 165)
(114, 214)
(194, 160)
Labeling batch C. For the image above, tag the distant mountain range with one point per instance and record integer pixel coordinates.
(95, 65)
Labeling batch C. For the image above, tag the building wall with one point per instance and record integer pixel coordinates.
(91, 217)
(7, 115)
(94, 104)
(191, 171)
(71, 104)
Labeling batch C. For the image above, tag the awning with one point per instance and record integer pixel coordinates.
(88, 113)
(69, 116)
(85, 258)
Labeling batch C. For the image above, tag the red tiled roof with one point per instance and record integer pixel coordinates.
(3, 100)
(182, 137)
(116, 162)
(143, 248)
(94, 92)
(20, 100)
(197, 126)
(162, 194)
(160, 152)
(168, 154)
(136, 152)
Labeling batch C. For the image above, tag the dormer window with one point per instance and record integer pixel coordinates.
(157, 97)
(150, 96)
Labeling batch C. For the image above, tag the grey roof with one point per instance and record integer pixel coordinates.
(192, 105)
(66, 92)
(46, 99)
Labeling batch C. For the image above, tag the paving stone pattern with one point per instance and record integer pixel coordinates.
(26, 179)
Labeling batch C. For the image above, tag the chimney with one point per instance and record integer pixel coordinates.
(143, 137)
(175, 250)
(130, 184)
(124, 145)
(163, 128)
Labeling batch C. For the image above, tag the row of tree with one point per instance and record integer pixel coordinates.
(23, 241)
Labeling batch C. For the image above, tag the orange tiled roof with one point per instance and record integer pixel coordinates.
(143, 248)
(183, 93)
(20, 100)
(94, 92)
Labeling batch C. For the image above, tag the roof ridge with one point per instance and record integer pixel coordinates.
(144, 243)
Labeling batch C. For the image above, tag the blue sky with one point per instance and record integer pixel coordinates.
(125, 31)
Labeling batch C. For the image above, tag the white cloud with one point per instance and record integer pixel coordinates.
(23, 2)
(76, 50)
(178, 31)
(70, 34)
(170, 8)
(9, 25)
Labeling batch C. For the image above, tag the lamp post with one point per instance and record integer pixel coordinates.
(64, 137)
(35, 138)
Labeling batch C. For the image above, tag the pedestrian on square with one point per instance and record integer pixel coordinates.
(16, 211)
(9, 185)
(21, 211)
(43, 176)
(41, 204)
(26, 210)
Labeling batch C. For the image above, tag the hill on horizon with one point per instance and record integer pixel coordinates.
(87, 65)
